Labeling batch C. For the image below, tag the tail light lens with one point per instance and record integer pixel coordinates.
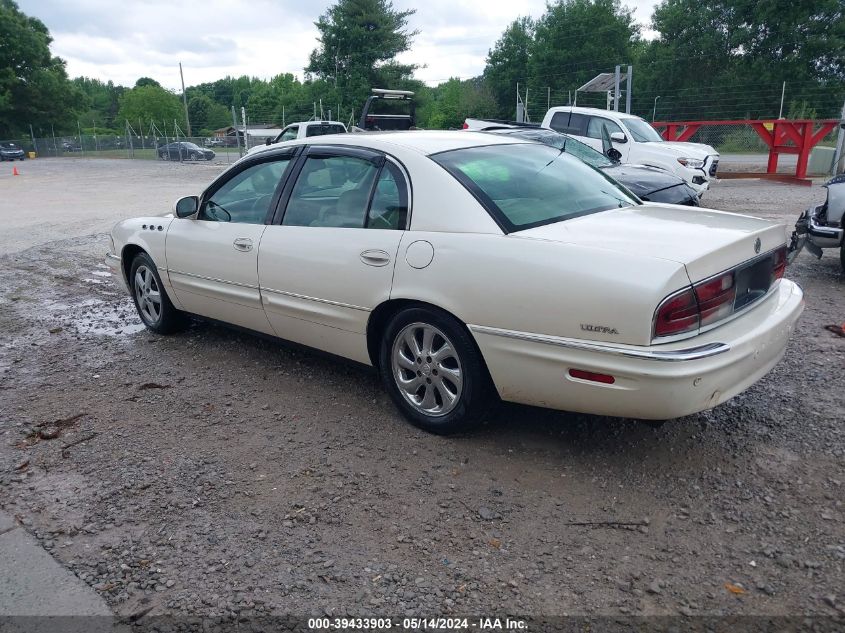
(677, 314)
(716, 298)
(466, 125)
(780, 263)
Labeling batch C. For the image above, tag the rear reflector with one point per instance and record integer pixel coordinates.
(592, 376)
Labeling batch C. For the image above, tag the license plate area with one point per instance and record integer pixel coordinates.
(753, 281)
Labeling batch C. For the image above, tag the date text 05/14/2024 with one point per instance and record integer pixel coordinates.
(419, 624)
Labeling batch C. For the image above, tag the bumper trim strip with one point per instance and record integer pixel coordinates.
(690, 353)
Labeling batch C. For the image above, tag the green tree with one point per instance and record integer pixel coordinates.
(508, 64)
(453, 101)
(207, 115)
(359, 42)
(146, 81)
(577, 39)
(151, 104)
(742, 51)
(34, 88)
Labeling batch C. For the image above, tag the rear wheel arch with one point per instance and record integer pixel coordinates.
(381, 316)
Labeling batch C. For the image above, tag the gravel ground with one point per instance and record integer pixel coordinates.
(218, 473)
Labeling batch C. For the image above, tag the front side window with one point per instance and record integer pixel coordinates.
(331, 191)
(528, 185)
(246, 196)
(642, 131)
(290, 133)
(597, 123)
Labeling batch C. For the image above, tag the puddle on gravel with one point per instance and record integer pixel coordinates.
(95, 316)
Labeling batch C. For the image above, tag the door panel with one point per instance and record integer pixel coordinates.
(211, 276)
(319, 275)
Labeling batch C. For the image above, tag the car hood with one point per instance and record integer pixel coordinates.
(643, 180)
(684, 150)
(705, 241)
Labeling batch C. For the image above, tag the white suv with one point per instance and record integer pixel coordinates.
(637, 142)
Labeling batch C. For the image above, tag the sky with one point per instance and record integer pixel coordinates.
(122, 41)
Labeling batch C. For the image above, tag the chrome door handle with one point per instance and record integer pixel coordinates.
(242, 244)
(375, 257)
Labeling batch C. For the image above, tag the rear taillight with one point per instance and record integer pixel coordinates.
(466, 125)
(715, 298)
(677, 314)
(780, 263)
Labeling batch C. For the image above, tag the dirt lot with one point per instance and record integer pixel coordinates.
(222, 473)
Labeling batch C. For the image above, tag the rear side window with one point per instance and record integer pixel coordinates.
(528, 185)
(322, 130)
(389, 207)
(569, 123)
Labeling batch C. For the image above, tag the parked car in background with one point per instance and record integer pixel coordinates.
(307, 129)
(637, 142)
(823, 225)
(214, 142)
(71, 146)
(11, 151)
(651, 184)
(510, 269)
(387, 110)
(184, 150)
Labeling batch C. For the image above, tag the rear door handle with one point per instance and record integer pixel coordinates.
(242, 244)
(375, 257)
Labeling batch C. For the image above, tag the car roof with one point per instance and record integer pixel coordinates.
(597, 111)
(420, 141)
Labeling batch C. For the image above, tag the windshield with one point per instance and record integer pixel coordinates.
(642, 131)
(527, 185)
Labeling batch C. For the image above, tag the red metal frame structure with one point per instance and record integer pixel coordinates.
(801, 132)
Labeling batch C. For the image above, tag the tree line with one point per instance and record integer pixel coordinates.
(705, 59)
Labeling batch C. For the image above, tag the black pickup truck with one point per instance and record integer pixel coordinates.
(388, 110)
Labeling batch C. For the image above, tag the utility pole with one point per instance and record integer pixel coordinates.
(839, 155)
(185, 100)
(616, 89)
(79, 128)
(235, 124)
(782, 95)
(548, 98)
(628, 83)
(243, 121)
(654, 110)
(55, 147)
(32, 135)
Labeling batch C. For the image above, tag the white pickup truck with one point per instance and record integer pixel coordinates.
(637, 142)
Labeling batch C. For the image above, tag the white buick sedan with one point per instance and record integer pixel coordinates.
(468, 267)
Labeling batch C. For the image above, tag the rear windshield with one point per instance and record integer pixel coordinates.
(324, 129)
(528, 185)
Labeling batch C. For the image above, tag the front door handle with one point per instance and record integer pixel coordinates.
(242, 244)
(375, 257)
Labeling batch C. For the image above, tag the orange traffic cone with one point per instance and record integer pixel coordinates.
(15, 171)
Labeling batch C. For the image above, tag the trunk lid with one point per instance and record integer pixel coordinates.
(705, 241)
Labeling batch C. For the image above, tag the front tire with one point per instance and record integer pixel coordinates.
(151, 301)
(433, 371)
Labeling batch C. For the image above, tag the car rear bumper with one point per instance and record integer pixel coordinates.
(657, 382)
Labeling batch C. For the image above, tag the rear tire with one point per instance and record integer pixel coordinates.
(434, 372)
(151, 301)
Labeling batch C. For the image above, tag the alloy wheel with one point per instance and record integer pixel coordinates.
(427, 369)
(147, 295)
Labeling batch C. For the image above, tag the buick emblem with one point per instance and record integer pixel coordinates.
(757, 245)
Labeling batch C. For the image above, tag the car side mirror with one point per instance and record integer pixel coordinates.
(186, 207)
(618, 137)
(267, 141)
(614, 154)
